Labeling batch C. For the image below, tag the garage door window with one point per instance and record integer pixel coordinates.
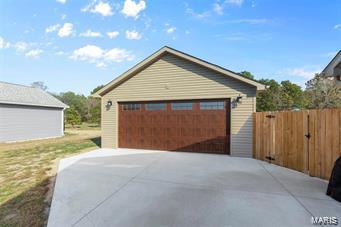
(131, 106)
(182, 106)
(212, 105)
(156, 106)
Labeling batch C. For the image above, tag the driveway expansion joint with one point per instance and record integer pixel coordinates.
(285, 188)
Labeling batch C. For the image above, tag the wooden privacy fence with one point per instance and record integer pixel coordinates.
(306, 141)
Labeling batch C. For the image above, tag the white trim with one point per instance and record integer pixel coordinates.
(26, 140)
(62, 121)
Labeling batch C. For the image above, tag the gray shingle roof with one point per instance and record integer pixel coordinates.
(25, 95)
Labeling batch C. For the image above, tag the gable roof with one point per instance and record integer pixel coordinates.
(158, 54)
(29, 96)
(329, 69)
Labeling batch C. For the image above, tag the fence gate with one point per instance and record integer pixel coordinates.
(306, 141)
(282, 139)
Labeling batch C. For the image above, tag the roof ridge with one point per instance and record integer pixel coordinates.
(17, 84)
(208, 62)
(25, 95)
(339, 52)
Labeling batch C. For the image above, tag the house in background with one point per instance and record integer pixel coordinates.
(175, 101)
(28, 113)
(333, 69)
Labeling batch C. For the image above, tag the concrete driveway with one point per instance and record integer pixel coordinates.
(126, 187)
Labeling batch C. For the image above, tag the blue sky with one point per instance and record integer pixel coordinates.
(77, 45)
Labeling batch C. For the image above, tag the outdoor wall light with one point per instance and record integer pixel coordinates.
(109, 103)
(238, 98)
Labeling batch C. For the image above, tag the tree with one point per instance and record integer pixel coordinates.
(72, 116)
(292, 96)
(95, 111)
(78, 101)
(97, 89)
(270, 99)
(323, 93)
(94, 107)
(89, 108)
(247, 75)
(39, 84)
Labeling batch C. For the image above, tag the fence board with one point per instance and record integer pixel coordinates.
(305, 132)
(283, 138)
(312, 142)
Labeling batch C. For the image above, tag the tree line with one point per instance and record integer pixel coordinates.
(81, 108)
(319, 93)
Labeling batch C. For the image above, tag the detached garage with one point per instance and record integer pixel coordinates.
(174, 101)
(28, 113)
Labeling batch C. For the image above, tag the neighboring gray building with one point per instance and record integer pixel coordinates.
(333, 69)
(28, 113)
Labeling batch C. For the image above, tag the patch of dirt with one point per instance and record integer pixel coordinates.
(10, 216)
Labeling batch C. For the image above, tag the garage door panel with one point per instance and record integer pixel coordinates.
(194, 130)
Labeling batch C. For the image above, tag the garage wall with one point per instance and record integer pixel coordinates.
(173, 78)
(29, 122)
(241, 127)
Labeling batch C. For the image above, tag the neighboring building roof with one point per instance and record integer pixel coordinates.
(152, 58)
(329, 70)
(25, 95)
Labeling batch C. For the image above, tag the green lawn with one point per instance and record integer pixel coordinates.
(27, 173)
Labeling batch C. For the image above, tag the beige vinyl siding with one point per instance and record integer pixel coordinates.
(241, 128)
(173, 78)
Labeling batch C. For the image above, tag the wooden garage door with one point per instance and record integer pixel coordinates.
(193, 126)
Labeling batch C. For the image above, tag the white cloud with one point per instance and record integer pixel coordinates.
(34, 53)
(101, 65)
(102, 8)
(303, 72)
(249, 21)
(21, 46)
(118, 55)
(99, 56)
(133, 35)
(235, 2)
(52, 28)
(113, 34)
(196, 15)
(88, 52)
(61, 1)
(132, 9)
(250, 37)
(171, 29)
(90, 33)
(236, 38)
(63, 16)
(60, 53)
(3, 43)
(329, 54)
(66, 30)
(218, 9)
(337, 26)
